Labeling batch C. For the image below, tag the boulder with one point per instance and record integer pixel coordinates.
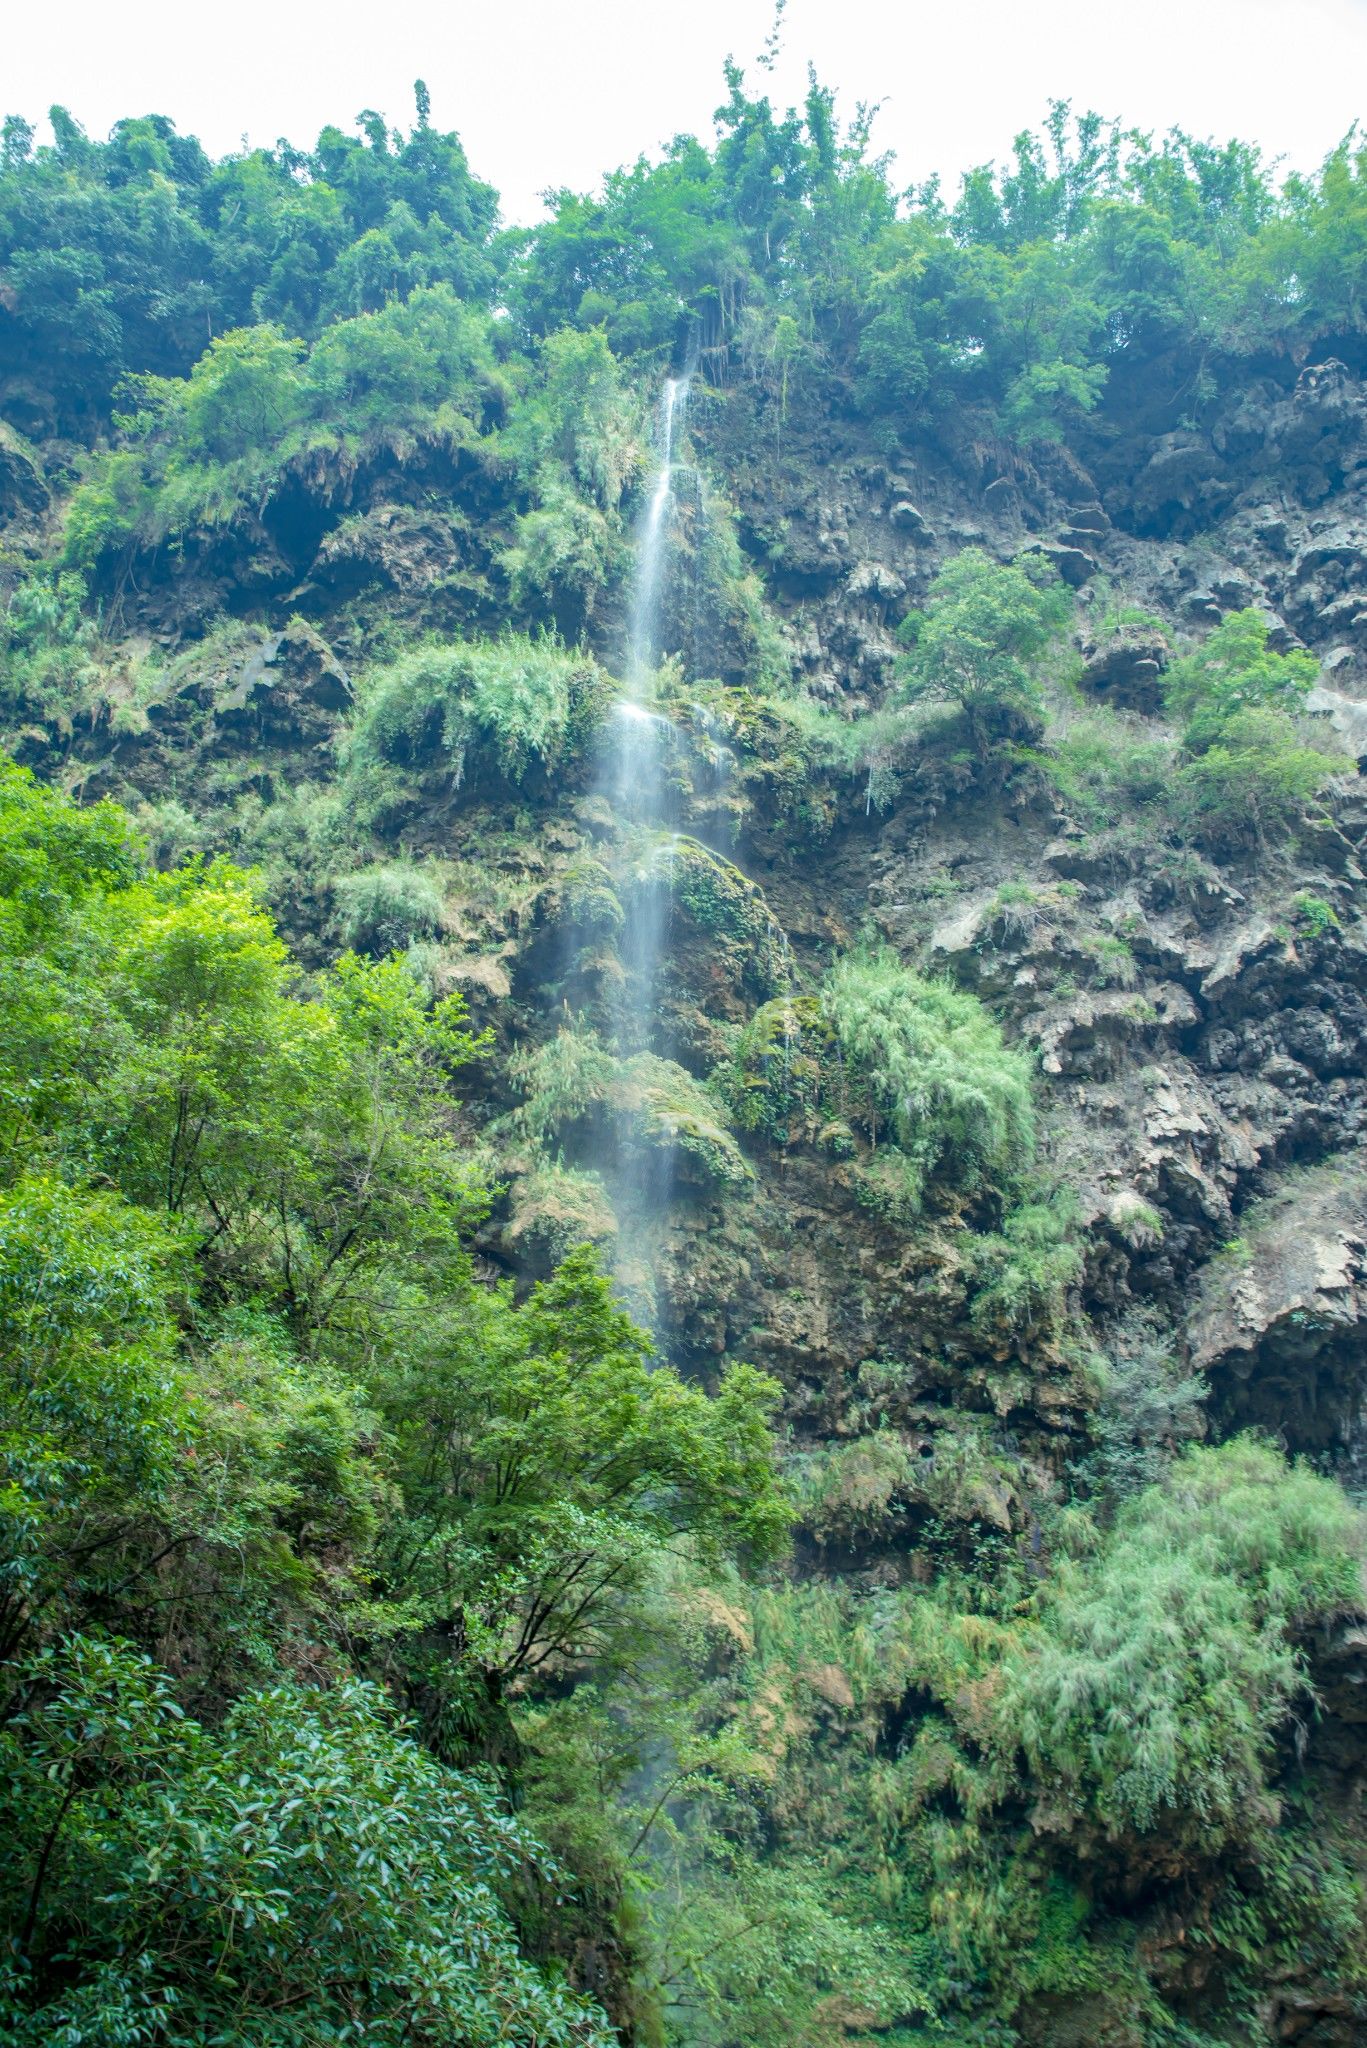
(909, 519)
(1074, 564)
(1125, 667)
(1280, 1322)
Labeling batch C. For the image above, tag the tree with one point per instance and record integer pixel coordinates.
(304, 1870)
(548, 1465)
(1252, 782)
(1234, 670)
(243, 393)
(980, 640)
(93, 1414)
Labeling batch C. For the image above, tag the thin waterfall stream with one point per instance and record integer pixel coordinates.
(631, 777)
(637, 1154)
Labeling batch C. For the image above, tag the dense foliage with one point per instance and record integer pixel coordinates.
(258, 1411)
(393, 1645)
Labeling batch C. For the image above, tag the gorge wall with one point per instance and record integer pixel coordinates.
(603, 718)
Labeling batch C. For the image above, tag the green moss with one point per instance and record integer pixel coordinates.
(664, 1108)
(776, 1077)
(555, 1207)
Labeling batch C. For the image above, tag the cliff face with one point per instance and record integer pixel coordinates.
(1197, 1014)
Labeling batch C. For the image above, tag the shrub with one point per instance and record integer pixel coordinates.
(1314, 915)
(383, 909)
(1101, 762)
(45, 646)
(562, 1080)
(1149, 1407)
(501, 703)
(1166, 1664)
(928, 1061)
(1024, 1271)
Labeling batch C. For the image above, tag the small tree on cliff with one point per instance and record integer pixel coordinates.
(979, 642)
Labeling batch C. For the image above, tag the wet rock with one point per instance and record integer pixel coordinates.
(1347, 714)
(1183, 474)
(874, 581)
(291, 690)
(398, 545)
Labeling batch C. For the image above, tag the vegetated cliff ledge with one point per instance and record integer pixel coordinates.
(1195, 1035)
(1011, 1069)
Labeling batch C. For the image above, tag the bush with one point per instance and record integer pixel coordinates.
(1102, 762)
(205, 447)
(500, 704)
(383, 909)
(45, 646)
(979, 641)
(1024, 1271)
(927, 1060)
(562, 1080)
(1167, 1663)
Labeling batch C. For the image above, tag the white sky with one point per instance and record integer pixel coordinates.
(554, 92)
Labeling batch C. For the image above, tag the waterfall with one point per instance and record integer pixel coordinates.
(631, 777)
(643, 643)
(639, 737)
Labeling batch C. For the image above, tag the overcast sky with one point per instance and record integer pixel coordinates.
(554, 92)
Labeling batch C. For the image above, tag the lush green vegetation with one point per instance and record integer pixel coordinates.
(978, 644)
(392, 1645)
(260, 1414)
(1090, 254)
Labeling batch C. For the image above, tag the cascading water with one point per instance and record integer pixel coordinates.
(636, 1154)
(631, 779)
(643, 646)
(639, 736)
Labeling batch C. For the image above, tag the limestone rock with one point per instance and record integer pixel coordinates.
(292, 689)
(1125, 667)
(1074, 564)
(911, 520)
(1279, 1322)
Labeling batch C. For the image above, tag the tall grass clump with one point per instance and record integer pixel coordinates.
(499, 705)
(927, 1064)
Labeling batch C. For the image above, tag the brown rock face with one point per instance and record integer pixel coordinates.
(1280, 1325)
